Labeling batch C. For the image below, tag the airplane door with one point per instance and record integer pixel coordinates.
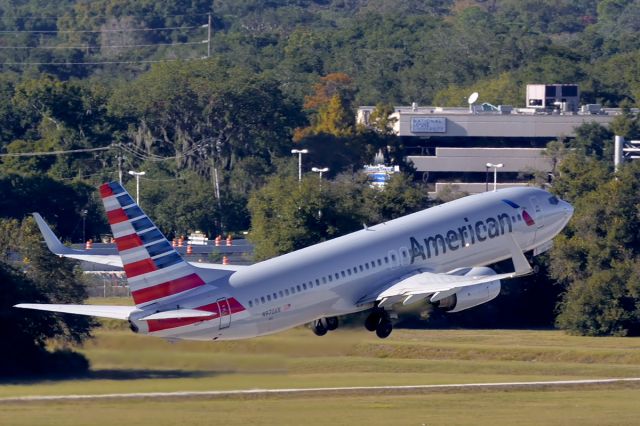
(225, 313)
(536, 213)
(536, 206)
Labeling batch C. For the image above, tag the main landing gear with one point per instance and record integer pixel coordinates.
(322, 325)
(380, 322)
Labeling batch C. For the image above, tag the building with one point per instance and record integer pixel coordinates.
(453, 145)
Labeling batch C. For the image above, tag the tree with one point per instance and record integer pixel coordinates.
(380, 119)
(287, 215)
(597, 258)
(42, 278)
(330, 106)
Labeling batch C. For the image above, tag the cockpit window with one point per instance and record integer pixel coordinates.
(553, 200)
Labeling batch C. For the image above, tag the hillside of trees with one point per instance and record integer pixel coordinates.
(109, 85)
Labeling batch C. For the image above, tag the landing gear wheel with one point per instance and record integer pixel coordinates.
(318, 328)
(332, 323)
(384, 329)
(372, 321)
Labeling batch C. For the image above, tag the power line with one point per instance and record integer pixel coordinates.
(127, 30)
(70, 151)
(103, 47)
(43, 17)
(100, 63)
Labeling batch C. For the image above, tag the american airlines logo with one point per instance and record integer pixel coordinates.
(466, 235)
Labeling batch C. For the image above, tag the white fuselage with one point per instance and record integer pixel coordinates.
(331, 278)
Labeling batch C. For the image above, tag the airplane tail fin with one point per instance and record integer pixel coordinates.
(155, 271)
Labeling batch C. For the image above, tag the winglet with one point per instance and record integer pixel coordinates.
(53, 243)
(520, 263)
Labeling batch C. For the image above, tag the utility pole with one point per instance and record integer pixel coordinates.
(120, 158)
(209, 37)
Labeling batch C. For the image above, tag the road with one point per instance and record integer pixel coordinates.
(355, 390)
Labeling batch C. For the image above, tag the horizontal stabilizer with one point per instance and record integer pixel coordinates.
(178, 313)
(56, 247)
(103, 311)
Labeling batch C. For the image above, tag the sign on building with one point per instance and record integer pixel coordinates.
(428, 125)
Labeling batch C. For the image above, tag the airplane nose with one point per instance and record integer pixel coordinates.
(567, 209)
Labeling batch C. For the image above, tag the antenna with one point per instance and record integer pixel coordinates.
(471, 100)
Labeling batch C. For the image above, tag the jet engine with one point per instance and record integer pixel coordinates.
(473, 295)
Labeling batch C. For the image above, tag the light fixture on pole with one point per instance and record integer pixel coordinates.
(137, 175)
(320, 172)
(299, 152)
(495, 168)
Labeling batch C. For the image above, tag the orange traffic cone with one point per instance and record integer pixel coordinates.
(229, 240)
(189, 249)
(225, 260)
(89, 244)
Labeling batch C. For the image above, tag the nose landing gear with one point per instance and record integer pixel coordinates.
(380, 322)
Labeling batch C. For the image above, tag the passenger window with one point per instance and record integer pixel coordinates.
(275, 296)
(361, 268)
(256, 301)
(379, 262)
(250, 304)
(366, 265)
(299, 288)
(324, 280)
(393, 257)
(343, 274)
(262, 299)
(349, 272)
(337, 276)
(286, 291)
(304, 286)
(281, 293)
(293, 290)
(330, 278)
(269, 297)
(317, 282)
(386, 259)
(310, 284)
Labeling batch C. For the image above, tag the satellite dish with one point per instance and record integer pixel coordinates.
(473, 98)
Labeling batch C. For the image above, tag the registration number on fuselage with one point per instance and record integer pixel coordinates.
(269, 313)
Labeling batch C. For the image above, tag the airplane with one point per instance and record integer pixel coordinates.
(438, 255)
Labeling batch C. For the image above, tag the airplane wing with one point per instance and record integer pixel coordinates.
(56, 247)
(422, 284)
(104, 311)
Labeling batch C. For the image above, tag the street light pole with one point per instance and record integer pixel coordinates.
(495, 168)
(137, 175)
(299, 152)
(83, 213)
(320, 172)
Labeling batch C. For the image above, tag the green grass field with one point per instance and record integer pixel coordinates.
(124, 362)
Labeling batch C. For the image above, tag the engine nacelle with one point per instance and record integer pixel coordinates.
(473, 295)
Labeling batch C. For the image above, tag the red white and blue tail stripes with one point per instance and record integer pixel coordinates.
(153, 268)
